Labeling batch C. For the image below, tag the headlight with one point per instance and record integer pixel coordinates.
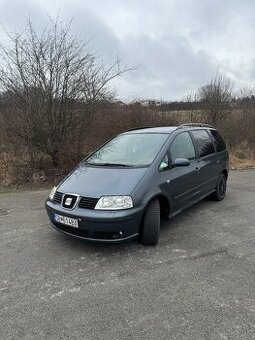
(114, 203)
(52, 193)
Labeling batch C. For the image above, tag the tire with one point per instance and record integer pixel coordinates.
(221, 187)
(151, 224)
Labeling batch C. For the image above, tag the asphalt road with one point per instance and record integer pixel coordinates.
(198, 283)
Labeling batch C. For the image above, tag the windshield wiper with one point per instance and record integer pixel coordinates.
(110, 164)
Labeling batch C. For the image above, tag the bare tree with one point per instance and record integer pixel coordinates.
(192, 110)
(247, 101)
(216, 98)
(53, 83)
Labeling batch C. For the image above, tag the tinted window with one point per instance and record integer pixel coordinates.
(218, 140)
(182, 147)
(203, 142)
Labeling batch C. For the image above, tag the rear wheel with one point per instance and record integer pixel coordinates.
(221, 188)
(151, 224)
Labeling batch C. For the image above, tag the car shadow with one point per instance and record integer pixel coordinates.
(95, 247)
(169, 228)
(192, 210)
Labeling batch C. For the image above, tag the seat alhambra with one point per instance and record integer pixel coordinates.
(123, 189)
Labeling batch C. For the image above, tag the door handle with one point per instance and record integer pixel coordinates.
(197, 169)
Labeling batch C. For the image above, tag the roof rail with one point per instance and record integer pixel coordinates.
(139, 128)
(195, 125)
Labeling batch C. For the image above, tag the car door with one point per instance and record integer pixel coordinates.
(181, 184)
(209, 167)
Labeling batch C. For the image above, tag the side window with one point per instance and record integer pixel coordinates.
(182, 147)
(218, 140)
(203, 142)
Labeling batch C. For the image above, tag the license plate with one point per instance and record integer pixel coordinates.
(71, 222)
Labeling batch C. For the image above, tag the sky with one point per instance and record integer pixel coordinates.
(175, 46)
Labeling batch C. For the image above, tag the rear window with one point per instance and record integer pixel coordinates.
(203, 142)
(218, 140)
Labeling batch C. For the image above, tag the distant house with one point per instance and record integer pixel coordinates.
(151, 102)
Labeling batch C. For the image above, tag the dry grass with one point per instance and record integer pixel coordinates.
(242, 157)
(241, 164)
(23, 168)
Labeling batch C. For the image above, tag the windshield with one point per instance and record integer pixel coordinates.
(129, 150)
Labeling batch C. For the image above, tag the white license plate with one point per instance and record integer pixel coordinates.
(71, 222)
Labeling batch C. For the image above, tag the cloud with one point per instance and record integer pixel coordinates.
(88, 26)
(168, 66)
(178, 45)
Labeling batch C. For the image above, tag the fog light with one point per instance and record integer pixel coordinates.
(117, 235)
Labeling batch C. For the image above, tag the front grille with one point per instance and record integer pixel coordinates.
(96, 235)
(70, 230)
(88, 203)
(84, 203)
(69, 201)
(103, 235)
(57, 197)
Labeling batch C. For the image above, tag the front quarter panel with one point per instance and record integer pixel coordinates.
(149, 187)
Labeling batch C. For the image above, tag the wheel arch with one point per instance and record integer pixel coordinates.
(225, 172)
(165, 206)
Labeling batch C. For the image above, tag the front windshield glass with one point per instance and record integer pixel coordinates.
(129, 150)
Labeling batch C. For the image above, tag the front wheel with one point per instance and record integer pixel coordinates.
(221, 188)
(151, 224)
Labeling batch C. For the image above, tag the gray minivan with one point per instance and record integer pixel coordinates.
(123, 189)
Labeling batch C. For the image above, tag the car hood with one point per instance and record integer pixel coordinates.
(98, 181)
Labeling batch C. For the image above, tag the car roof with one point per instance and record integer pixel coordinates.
(164, 129)
(160, 129)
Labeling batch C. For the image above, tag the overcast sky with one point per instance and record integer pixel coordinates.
(177, 44)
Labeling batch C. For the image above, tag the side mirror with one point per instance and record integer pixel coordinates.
(181, 162)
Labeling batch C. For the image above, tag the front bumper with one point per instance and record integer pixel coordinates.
(98, 225)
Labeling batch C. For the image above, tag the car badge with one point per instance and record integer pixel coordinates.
(68, 201)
